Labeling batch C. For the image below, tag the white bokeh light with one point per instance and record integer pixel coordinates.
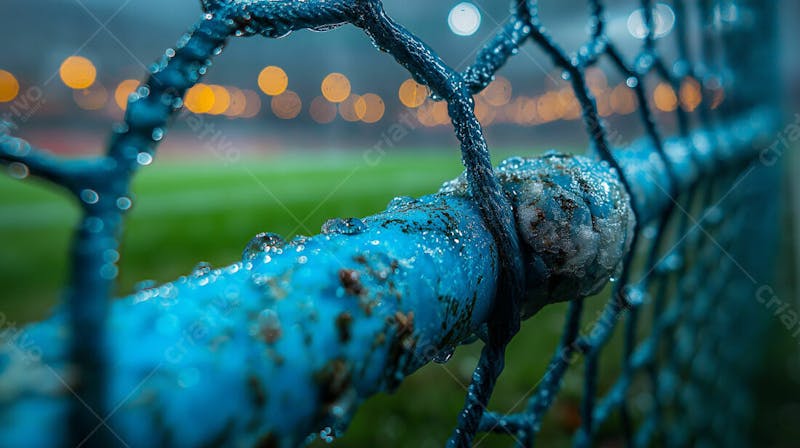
(464, 19)
(663, 19)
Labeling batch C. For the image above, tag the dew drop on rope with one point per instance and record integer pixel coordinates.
(444, 355)
(93, 224)
(89, 196)
(634, 295)
(324, 28)
(18, 170)
(120, 128)
(261, 244)
(348, 226)
(269, 326)
(144, 158)
(201, 270)
(398, 202)
(144, 285)
(124, 203)
(109, 271)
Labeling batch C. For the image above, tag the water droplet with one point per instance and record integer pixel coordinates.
(169, 290)
(144, 158)
(323, 28)
(124, 203)
(681, 68)
(644, 62)
(670, 263)
(650, 232)
(444, 354)
(94, 224)
(278, 33)
(269, 326)
(144, 285)
(260, 280)
(398, 202)
(18, 170)
(511, 163)
(201, 270)
(327, 434)
(632, 82)
(565, 75)
(110, 256)
(262, 243)
(157, 134)
(349, 226)
(89, 196)
(108, 271)
(634, 295)
(120, 128)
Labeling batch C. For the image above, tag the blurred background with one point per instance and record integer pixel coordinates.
(284, 134)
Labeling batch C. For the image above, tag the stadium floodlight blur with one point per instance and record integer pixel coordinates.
(265, 85)
(464, 19)
(663, 18)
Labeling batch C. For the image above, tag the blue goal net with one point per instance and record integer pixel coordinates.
(668, 232)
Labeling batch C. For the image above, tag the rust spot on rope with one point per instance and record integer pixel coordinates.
(351, 282)
(405, 323)
(401, 347)
(257, 391)
(333, 380)
(270, 335)
(379, 340)
(343, 323)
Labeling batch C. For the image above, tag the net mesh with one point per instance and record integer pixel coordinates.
(684, 269)
(683, 299)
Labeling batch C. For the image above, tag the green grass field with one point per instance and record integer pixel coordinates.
(186, 212)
